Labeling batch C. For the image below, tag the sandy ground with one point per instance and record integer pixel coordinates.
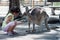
(40, 34)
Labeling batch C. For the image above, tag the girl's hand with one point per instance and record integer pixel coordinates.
(15, 22)
(19, 22)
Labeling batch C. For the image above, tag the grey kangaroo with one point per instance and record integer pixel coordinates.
(36, 16)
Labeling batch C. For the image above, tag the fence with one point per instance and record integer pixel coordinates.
(27, 3)
(35, 3)
(4, 3)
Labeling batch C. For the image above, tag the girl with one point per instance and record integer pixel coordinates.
(9, 24)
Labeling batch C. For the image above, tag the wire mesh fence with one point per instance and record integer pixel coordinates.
(35, 3)
(4, 3)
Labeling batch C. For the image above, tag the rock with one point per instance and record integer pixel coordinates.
(53, 21)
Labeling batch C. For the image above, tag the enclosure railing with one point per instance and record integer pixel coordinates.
(36, 3)
(4, 3)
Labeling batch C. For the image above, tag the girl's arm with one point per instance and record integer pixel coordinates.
(19, 22)
(8, 19)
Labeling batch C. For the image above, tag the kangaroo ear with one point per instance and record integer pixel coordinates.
(41, 10)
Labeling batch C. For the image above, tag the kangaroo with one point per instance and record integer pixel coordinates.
(36, 16)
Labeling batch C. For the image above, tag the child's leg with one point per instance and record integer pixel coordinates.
(10, 27)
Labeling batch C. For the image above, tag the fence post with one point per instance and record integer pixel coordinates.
(59, 17)
(32, 3)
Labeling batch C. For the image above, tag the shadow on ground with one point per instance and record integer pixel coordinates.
(21, 32)
(48, 37)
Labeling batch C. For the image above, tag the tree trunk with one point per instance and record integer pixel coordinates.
(16, 3)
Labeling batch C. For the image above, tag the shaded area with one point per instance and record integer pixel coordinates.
(53, 21)
(48, 37)
(21, 32)
(37, 31)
